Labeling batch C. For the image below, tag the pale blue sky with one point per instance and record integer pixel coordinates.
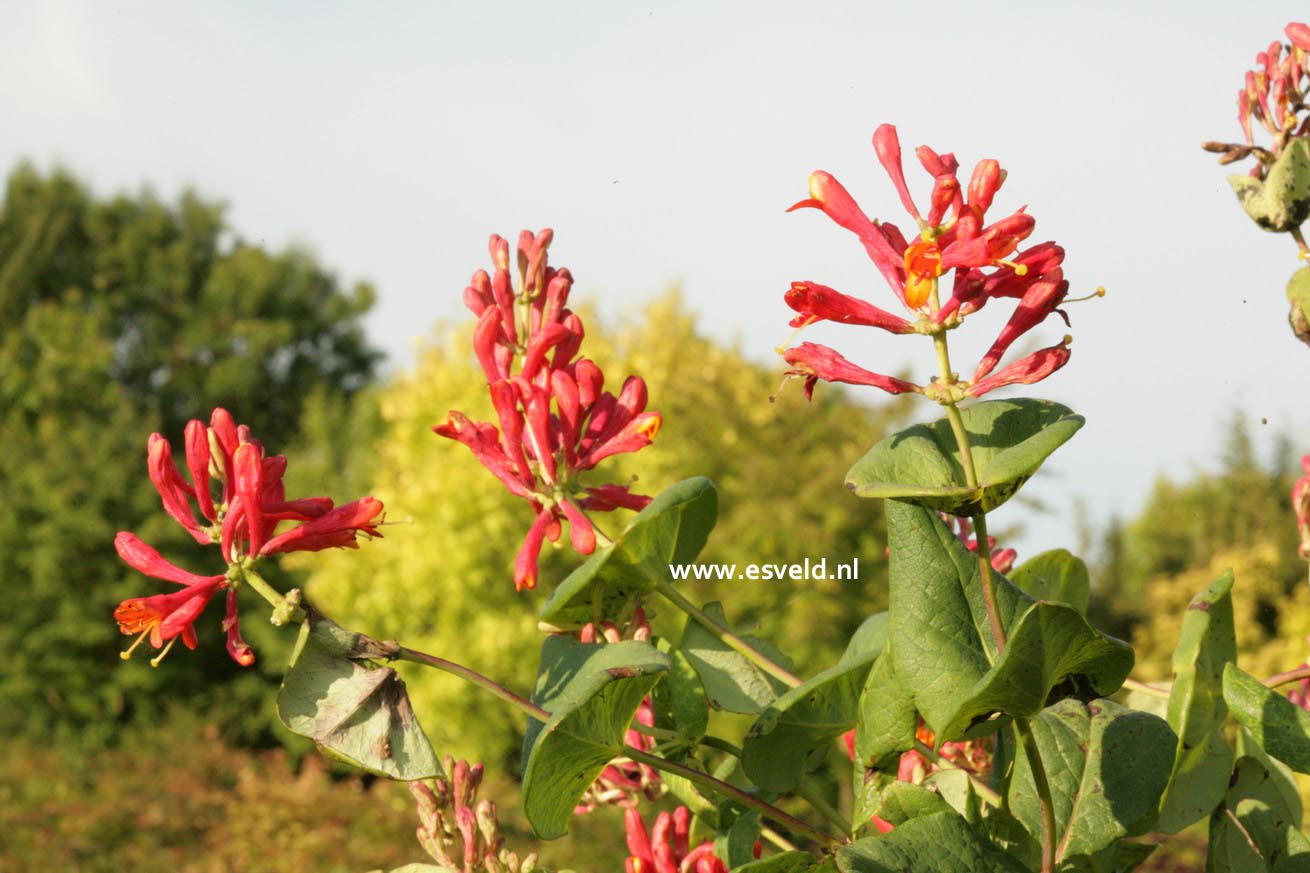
(663, 141)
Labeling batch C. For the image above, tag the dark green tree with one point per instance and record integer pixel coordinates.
(119, 317)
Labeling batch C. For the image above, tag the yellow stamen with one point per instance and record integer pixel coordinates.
(1099, 292)
(154, 662)
(1019, 269)
(132, 648)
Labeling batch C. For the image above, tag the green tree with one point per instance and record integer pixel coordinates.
(442, 578)
(119, 317)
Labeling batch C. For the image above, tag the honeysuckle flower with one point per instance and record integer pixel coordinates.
(459, 831)
(666, 847)
(235, 499)
(956, 246)
(1002, 560)
(1026, 371)
(1273, 96)
(814, 362)
(556, 421)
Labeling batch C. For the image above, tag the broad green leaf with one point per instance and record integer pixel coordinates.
(802, 720)
(1010, 439)
(672, 529)
(591, 692)
(1298, 295)
(867, 787)
(679, 700)
(1106, 766)
(786, 862)
(870, 636)
(1155, 704)
(1280, 202)
(942, 646)
(956, 788)
(939, 843)
(735, 844)
(1055, 575)
(901, 801)
(1280, 773)
(1203, 760)
(1281, 727)
(886, 719)
(1253, 830)
(731, 682)
(1122, 857)
(337, 693)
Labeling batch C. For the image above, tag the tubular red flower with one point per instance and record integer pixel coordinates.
(1040, 301)
(236, 647)
(1298, 34)
(144, 559)
(817, 302)
(173, 490)
(1033, 368)
(165, 616)
(525, 565)
(816, 362)
(888, 146)
(338, 528)
(828, 195)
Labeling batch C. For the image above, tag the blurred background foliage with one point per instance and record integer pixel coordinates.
(125, 315)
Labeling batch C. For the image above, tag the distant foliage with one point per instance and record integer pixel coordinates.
(120, 316)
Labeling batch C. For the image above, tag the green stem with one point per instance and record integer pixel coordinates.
(985, 573)
(777, 839)
(805, 791)
(520, 703)
(981, 788)
(956, 420)
(730, 639)
(285, 609)
(745, 798)
(1043, 793)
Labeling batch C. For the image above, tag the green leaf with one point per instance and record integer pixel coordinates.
(1106, 766)
(870, 636)
(1253, 830)
(939, 843)
(886, 719)
(901, 801)
(336, 693)
(1281, 727)
(956, 788)
(1055, 575)
(1280, 773)
(591, 692)
(786, 862)
(735, 845)
(1203, 760)
(672, 529)
(921, 465)
(1280, 202)
(731, 682)
(1298, 295)
(802, 720)
(679, 700)
(942, 647)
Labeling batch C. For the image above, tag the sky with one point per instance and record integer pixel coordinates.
(663, 143)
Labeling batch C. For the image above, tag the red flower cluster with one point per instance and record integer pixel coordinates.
(1274, 94)
(251, 502)
(666, 848)
(955, 235)
(556, 421)
(1002, 559)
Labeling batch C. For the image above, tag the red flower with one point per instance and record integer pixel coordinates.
(1033, 368)
(555, 420)
(816, 362)
(955, 245)
(666, 848)
(236, 499)
(1272, 95)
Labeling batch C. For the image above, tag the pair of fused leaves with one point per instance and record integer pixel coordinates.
(1280, 202)
(337, 693)
(1010, 439)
